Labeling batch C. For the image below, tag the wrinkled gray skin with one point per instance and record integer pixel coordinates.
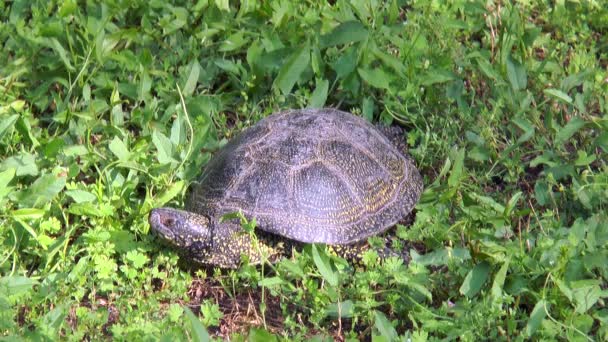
(314, 175)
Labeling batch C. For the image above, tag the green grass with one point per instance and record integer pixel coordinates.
(506, 108)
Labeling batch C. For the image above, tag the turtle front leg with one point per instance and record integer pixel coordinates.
(233, 243)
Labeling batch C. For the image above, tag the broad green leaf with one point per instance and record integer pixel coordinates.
(7, 123)
(499, 280)
(16, 105)
(474, 138)
(344, 309)
(170, 193)
(583, 159)
(223, 5)
(178, 131)
(197, 331)
(75, 150)
(575, 80)
(489, 202)
(271, 282)
(569, 130)
(457, 169)
(90, 209)
(233, 42)
(583, 323)
(558, 94)
(28, 228)
(245, 7)
(512, 203)
(254, 57)
(281, 11)
(347, 63)
(119, 149)
(375, 77)
(547, 158)
(53, 319)
(52, 148)
(54, 44)
(384, 326)
(525, 101)
(294, 67)
(421, 289)
(580, 103)
(114, 98)
(316, 61)
(193, 73)
(319, 96)
(447, 166)
(14, 285)
(565, 290)
(260, 335)
(42, 191)
(118, 116)
(516, 72)
(525, 126)
(479, 153)
(489, 70)
(292, 268)
(144, 86)
(585, 296)
(438, 76)
(367, 109)
(536, 317)
(347, 32)
(130, 90)
(390, 61)
(602, 141)
(6, 177)
(455, 90)
(475, 279)
(81, 196)
(542, 193)
(228, 66)
(24, 164)
(28, 213)
(179, 20)
(394, 11)
(164, 147)
(96, 106)
(441, 256)
(19, 9)
(324, 265)
(104, 45)
(67, 7)
(86, 93)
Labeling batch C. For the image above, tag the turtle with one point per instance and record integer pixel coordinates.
(305, 176)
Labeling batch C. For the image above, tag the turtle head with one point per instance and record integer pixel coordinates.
(181, 228)
(199, 238)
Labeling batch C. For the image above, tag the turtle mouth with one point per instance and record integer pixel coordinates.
(163, 223)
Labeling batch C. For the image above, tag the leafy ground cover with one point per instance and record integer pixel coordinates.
(506, 109)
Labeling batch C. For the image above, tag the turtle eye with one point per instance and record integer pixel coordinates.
(168, 222)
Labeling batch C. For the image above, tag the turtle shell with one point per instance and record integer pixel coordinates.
(312, 175)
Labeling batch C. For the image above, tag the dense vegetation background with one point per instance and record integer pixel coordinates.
(506, 108)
